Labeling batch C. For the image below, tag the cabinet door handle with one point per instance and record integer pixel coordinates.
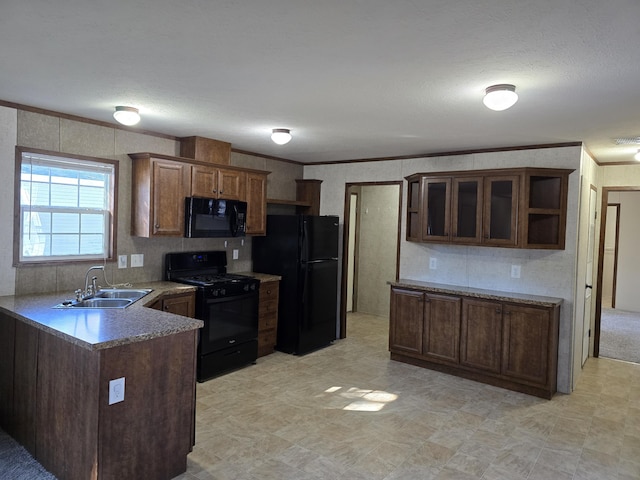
(498, 310)
(221, 192)
(268, 292)
(166, 308)
(427, 300)
(156, 226)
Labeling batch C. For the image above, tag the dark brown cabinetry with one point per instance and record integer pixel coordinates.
(179, 303)
(480, 341)
(268, 317)
(507, 344)
(521, 207)
(161, 183)
(54, 392)
(425, 324)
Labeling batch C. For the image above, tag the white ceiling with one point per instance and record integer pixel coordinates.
(351, 78)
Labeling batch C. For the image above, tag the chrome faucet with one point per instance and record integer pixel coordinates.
(90, 290)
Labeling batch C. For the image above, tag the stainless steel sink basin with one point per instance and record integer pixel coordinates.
(103, 303)
(131, 294)
(108, 298)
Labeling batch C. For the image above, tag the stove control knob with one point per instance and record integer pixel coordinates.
(214, 293)
(222, 291)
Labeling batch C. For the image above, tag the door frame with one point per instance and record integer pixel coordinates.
(345, 243)
(603, 227)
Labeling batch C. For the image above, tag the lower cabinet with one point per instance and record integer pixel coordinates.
(503, 343)
(180, 303)
(268, 317)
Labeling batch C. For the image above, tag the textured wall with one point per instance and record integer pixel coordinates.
(377, 247)
(7, 168)
(543, 272)
(62, 135)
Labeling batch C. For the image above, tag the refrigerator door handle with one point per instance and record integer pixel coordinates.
(304, 244)
(321, 260)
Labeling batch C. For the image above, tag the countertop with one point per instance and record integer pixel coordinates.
(263, 277)
(96, 329)
(478, 293)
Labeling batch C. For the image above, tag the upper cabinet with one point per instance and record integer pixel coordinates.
(205, 150)
(256, 203)
(212, 182)
(522, 207)
(161, 183)
(158, 190)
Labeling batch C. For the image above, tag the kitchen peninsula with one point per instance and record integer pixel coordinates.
(56, 365)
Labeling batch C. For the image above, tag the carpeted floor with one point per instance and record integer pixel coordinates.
(620, 335)
(17, 464)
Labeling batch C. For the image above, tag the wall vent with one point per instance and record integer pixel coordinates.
(627, 141)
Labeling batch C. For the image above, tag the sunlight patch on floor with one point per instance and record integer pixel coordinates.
(364, 400)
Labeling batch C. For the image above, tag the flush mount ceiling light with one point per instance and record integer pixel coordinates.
(500, 97)
(281, 135)
(126, 115)
(637, 156)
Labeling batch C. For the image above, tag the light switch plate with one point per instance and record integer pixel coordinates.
(515, 271)
(433, 263)
(235, 253)
(122, 261)
(137, 260)
(116, 390)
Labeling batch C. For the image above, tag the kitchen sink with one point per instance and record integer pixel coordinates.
(131, 294)
(103, 303)
(108, 298)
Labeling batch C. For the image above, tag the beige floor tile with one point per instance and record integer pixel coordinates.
(349, 412)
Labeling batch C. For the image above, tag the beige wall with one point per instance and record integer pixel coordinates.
(8, 126)
(543, 272)
(67, 136)
(628, 274)
(377, 247)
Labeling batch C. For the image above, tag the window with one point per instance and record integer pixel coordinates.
(66, 207)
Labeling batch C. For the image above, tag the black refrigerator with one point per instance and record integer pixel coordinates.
(303, 250)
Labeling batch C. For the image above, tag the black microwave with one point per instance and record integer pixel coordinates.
(211, 217)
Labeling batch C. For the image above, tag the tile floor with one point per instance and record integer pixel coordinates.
(348, 412)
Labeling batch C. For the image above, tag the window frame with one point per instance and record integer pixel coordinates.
(17, 217)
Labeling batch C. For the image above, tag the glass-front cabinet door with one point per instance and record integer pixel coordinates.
(436, 218)
(414, 207)
(500, 225)
(466, 209)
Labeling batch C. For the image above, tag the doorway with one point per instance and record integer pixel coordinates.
(617, 318)
(371, 247)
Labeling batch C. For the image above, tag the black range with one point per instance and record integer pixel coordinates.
(227, 304)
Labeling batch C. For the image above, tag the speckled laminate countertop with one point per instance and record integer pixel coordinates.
(478, 293)
(96, 329)
(263, 277)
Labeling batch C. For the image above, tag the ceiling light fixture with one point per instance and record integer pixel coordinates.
(126, 115)
(500, 97)
(281, 135)
(637, 156)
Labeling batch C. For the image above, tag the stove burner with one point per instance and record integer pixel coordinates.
(213, 279)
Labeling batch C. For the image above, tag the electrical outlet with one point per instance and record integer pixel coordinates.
(235, 253)
(137, 260)
(122, 261)
(515, 271)
(433, 263)
(116, 390)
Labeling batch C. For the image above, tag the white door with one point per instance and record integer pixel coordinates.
(586, 319)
